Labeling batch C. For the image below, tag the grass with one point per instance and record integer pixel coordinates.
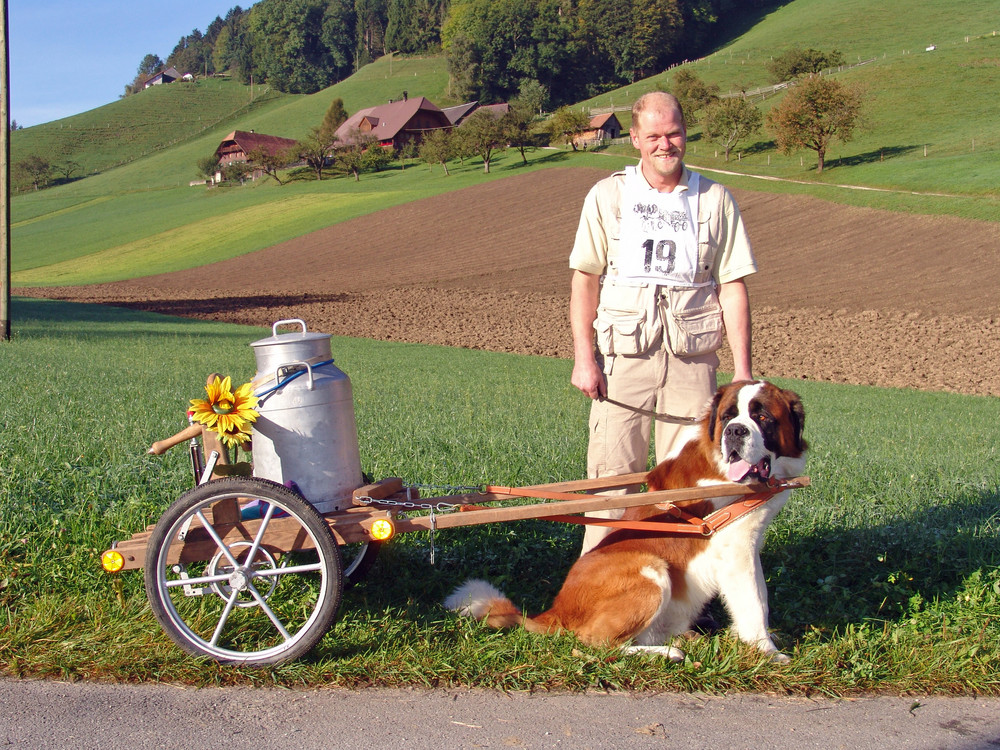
(147, 232)
(917, 99)
(152, 120)
(883, 575)
(142, 218)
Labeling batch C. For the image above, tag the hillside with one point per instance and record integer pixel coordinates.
(826, 307)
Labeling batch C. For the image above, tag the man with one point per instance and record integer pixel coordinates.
(658, 267)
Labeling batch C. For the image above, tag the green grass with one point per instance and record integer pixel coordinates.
(142, 218)
(148, 232)
(152, 120)
(935, 99)
(883, 575)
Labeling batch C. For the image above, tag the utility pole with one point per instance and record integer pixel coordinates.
(4, 180)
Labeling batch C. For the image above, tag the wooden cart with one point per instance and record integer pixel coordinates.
(245, 571)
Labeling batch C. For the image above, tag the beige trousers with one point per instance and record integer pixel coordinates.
(619, 438)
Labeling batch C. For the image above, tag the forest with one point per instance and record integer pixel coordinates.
(574, 49)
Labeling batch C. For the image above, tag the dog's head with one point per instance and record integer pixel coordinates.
(757, 428)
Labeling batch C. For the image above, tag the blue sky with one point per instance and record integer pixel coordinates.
(70, 56)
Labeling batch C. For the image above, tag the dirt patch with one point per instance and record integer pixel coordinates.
(844, 294)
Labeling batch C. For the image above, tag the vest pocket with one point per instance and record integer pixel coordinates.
(621, 333)
(627, 323)
(693, 319)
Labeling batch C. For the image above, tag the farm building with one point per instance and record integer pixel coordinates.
(239, 143)
(164, 76)
(602, 128)
(457, 114)
(396, 123)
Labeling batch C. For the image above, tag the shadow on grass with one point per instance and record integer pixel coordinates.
(832, 578)
(122, 320)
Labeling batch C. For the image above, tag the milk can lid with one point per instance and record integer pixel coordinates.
(292, 337)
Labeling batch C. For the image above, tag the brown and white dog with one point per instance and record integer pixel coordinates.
(640, 589)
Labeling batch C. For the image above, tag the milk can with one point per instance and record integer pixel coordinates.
(305, 432)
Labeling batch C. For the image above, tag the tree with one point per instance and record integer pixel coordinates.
(567, 122)
(151, 65)
(66, 169)
(208, 166)
(315, 148)
(693, 93)
(437, 147)
(516, 124)
(813, 113)
(483, 134)
(728, 121)
(802, 62)
(269, 162)
(288, 46)
(335, 116)
(34, 169)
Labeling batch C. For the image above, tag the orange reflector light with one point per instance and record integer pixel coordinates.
(382, 529)
(112, 561)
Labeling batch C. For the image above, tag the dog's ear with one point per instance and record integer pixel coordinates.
(797, 414)
(713, 413)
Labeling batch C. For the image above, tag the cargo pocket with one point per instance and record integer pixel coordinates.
(693, 319)
(621, 333)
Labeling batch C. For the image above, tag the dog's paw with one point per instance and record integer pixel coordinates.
(670, 652)
(779, 658)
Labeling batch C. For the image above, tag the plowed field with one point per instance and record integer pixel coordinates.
(847, 295)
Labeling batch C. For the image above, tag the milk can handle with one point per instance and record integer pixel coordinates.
(303, 363)
(274, 328)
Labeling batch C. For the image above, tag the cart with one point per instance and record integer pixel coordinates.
(246, 570)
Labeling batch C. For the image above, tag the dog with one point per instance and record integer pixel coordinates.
(641, 589)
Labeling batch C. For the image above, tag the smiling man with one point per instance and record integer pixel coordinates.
(658, 267)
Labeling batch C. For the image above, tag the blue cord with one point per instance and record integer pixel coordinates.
(267, 392)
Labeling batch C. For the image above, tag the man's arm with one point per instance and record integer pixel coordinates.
(584, 294)
(736, 315)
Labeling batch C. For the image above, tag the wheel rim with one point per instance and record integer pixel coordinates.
(250, 601)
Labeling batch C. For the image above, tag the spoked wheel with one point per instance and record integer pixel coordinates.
(244, 571)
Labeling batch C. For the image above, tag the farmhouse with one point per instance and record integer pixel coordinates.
(394, 124)
(457, 114)
(239, 143)
(164, 76)
(602, 128)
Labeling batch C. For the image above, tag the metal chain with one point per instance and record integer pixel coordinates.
(410, 504)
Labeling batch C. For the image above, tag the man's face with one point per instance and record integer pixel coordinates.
(661, 138)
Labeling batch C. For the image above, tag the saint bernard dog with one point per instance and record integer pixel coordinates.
(641, 589)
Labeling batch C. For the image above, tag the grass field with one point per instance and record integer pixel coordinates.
(883, 575)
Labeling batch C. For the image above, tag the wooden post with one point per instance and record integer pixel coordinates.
(4, 181)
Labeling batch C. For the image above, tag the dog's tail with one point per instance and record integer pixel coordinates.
(482, 601)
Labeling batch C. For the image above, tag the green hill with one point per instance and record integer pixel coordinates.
(152, 120)
(930, 130)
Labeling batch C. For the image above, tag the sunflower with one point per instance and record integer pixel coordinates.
(227, 412)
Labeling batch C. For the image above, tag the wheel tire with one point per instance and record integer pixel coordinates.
(265, 610)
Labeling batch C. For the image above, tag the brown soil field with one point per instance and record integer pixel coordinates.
(846, 295)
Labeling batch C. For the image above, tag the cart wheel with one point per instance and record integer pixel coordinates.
(358, 559)
(261, 587)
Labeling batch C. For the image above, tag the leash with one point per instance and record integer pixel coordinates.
(650, 413)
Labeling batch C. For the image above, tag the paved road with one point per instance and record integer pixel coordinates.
(108, 716)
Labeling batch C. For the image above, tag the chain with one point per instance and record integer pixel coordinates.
(410, 504)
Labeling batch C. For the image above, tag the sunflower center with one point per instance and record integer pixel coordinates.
(224, 406)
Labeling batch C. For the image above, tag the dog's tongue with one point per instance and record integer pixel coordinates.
(737, 470)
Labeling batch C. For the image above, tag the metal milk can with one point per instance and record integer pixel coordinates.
(305, 432)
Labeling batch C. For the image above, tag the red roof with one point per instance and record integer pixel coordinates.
(598, 121)
(245, 142)
(387, 121)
